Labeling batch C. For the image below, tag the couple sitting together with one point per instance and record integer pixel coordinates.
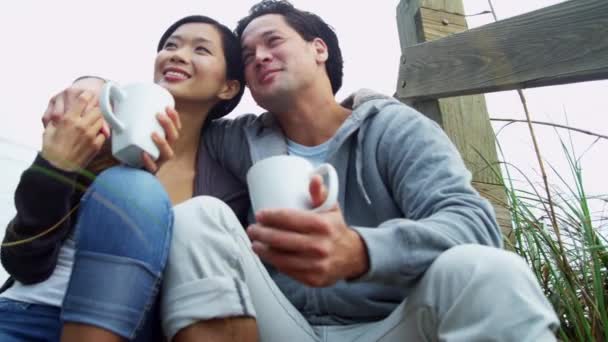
(172, 251)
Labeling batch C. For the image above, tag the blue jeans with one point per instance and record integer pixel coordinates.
(122, 238)
(28, 322)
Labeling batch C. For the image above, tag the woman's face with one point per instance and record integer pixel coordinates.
(191, 64)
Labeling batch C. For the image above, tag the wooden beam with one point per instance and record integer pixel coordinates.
(564, 43)
(465, 119)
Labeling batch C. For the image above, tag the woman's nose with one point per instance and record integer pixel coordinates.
(179, 56)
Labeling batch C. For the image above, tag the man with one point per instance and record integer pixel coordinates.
(411, 252)
(400, 258)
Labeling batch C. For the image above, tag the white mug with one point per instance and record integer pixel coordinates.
(283, 182)
(131, 111)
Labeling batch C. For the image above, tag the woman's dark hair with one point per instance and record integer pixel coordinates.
(309, 26)
(232, 55)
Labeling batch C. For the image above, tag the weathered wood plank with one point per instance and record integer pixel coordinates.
(465, 119)
(448, 6)
(439, 24)
(496, 194)
(564, 43)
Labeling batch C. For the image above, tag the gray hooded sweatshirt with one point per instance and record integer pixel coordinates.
(403, 187)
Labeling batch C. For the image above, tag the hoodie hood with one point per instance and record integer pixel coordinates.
(267, 140)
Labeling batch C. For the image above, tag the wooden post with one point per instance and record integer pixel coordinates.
(465, 118)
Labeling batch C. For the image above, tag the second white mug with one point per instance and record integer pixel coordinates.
(283, 182)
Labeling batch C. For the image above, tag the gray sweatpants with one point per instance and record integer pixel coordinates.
(470, 293)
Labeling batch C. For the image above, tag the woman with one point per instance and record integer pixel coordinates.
(113, 248)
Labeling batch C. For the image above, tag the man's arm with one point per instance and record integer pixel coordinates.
(432, 187)
(428, 181)
(226, 143)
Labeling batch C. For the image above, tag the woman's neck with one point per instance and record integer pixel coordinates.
(192, 118)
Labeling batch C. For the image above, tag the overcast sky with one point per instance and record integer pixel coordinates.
(46, 44)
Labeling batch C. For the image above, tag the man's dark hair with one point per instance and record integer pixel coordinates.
(309, 26)
(232, 55)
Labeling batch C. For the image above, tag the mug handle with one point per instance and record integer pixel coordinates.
(332, 186)
(111, 93)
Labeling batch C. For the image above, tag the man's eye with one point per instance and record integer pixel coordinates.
(247, 58)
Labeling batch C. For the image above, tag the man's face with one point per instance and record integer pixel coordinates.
(278, 61)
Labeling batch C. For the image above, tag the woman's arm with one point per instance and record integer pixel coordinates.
(44, 198)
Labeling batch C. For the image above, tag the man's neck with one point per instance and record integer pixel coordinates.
(313, 118)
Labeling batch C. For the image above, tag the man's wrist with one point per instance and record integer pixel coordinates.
(359, 257)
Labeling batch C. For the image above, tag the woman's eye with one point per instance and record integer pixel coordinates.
(170, 45)
(202, 49)
(273, 41)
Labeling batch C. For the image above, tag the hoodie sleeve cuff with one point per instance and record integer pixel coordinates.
(382, 263)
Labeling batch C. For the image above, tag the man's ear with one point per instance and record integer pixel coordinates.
(321, 52)
(231, 88)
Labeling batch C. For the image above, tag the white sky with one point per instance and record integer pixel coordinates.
(46, 44)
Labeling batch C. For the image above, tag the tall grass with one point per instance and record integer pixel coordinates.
(561, 240)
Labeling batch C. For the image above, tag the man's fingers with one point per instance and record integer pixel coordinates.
(318, 191)
(301, 221)
(284, 262)
(286, 241)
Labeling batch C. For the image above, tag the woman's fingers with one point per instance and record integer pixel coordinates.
(91, 116)
(169, 126)
(77, 108)
(149, 164)
(105, 129)
(174, 116)
(165, 149)
(94, 127)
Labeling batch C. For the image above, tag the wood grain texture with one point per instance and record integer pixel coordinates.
(564, 43)
(496, 194)
(464, 118)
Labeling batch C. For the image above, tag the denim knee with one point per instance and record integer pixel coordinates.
(122, 238)
(126, 212)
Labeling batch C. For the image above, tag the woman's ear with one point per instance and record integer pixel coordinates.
(231, 88)
(320, 50)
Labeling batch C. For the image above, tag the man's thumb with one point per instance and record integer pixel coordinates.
(318, 191)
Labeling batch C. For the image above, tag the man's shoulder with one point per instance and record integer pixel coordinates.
(367, 103)
(238, 121)
(388, 119)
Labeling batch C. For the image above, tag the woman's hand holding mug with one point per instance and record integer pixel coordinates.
(171, 125)
(71, 141)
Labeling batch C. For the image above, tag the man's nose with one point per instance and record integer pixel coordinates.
(262, 55)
